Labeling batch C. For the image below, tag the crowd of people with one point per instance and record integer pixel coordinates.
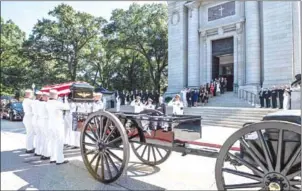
(126, 97)
(191, 97)
(48, 123)
(275, 97)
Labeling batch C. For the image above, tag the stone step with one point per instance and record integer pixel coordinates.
(215, 117)
(222, 125)
(230, 121)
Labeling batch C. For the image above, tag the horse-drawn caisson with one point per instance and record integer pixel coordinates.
(261, 156)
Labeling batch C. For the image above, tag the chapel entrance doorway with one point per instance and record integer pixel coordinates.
(223, 60)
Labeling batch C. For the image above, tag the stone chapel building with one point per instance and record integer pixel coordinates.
(251, 43)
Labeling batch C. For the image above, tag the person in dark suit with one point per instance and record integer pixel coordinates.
(261, 97)
(280, 96)
(267, 96)
(274, 94)
(189, 98)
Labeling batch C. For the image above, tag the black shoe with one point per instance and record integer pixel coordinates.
(45, 158)
(62, 162)
(30, 151)
(36, 155)
(52, 162)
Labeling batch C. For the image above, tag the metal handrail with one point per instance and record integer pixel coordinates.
(248, 96)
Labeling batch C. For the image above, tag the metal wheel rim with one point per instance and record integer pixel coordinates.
(149, 151)
(103, 158)
(280, 125)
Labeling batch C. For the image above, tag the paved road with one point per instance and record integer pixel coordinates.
(21, 171)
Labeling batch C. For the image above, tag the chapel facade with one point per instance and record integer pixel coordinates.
(251, 43)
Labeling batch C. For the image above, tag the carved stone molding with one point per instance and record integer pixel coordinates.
(175, 18)
(203, 35)
(191, 6)
(239, 27)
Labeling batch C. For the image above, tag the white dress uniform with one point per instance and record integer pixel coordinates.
(70, 134)
(118, 103)
(27, 121)
(76, 135)
(138, 106)
(44, 129)
(56, 124)
(184, 97)
(96, 106)
(35, 125)
(177, 107)
(41, 116)
(286, 100)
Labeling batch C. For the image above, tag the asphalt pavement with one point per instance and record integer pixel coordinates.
(20, 171)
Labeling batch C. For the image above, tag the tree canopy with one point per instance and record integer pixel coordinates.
(125, 53)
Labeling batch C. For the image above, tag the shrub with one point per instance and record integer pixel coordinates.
(168, 99)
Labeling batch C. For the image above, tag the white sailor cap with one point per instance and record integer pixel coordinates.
(177, 95)
(97, 94)
(149, 99)
(28, 91)
(45, 93)
(39, 93)
(138, 97)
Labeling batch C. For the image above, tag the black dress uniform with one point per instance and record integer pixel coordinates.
(267, 96)
(280, 96)
(274, 98)
(261, 97)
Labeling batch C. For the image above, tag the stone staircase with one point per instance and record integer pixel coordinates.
(226, 110)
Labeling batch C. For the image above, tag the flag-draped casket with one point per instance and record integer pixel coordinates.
(77, 91)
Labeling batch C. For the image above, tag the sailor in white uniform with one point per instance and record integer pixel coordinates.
(43, 126)
(97, 104)
(37, 137)
(177, 105)
(149, 104)
(27, 121)
(118, 103)
(55, 110)
(138, 105)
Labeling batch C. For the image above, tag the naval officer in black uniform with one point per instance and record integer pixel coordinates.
(267, 96)
(274, 97)
(261, 97)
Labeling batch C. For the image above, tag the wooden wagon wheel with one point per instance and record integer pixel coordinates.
(150, 154)
(104, 146)
(272, 161)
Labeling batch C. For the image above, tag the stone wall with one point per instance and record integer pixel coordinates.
(278, 42)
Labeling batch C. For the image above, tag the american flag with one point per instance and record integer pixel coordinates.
(63, 89)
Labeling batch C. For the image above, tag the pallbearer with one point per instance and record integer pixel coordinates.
(97, 104)
(118, 102)
(177, 105)
(55, 110)
(27, 120)
(267, 96)
(43, 126)
(35, 118)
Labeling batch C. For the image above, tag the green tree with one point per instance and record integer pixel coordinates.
(143, 29)
(13, 64)
(64, 39)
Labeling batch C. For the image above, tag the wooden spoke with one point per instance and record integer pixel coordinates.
(114, 155)
(89, 144)
(109, 135)
(154, 156)
(243, 162)
(139, 147)
(159, 152)
(90, 137)
(256, 151)
(97, 127)
(279, 151)
(295, 188)
(251, 152)
(90, 152)
(243, 174)
(295, 182)
(93, 158)
(293, 175)
(245, 185)
(148, 153)
(97, 164)
(103, 168)
(114, 140)
(266, 151)
(111, 161)
(92, 131)
(144, 151)
(291, 161)
(108, 122)
(107, 166)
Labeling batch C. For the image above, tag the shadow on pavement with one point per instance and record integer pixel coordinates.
(42, 175)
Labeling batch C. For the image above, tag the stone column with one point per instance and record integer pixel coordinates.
(203, 57)
(240, 62)
(193, 44)
(252, 43)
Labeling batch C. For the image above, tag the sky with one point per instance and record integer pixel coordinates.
(26, 13)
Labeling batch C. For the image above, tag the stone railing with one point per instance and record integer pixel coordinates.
(248, 96)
